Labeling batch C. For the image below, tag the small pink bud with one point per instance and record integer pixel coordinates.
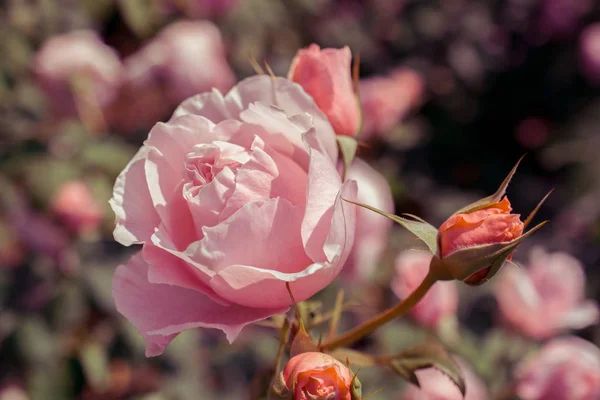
(75, 205)
(564, 368)
(325, 75)
(316, 375)
(439, 302)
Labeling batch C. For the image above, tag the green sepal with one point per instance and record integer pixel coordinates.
(496, 197)
(348, 146)
(418, 227)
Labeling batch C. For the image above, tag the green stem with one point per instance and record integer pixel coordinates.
(390, 314)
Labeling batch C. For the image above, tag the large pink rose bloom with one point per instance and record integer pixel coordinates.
(437, 386)
(77, 59)
(439, 302)
(325, 75)
(188, 57)
(547, 297)
(232, 198)
(372, 229)
(565, 368)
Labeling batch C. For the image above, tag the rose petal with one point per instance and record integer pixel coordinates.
(160, 312)
(288, 96)
(136, 217)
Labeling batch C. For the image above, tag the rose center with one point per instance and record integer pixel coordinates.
(205, 161)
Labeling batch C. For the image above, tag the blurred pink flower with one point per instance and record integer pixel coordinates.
(326, 76)
(372, 230)
(437, 386)
(316, 375)
(547, 297)
(77, 58)
(76, 207)
(386, 100)
(564, 368)
(232, 198)
(186, 57)
(440, 301)
(589, 46)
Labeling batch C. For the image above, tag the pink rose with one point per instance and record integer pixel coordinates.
(437, 386)
(565, 368)
(439, 302)
(232, 198)
(492, 224)
(317, 376)
(372, 230)
(325, 75)
(589, 45)
(186, 58)
(75, 205)
(547, 297)
(386, 100)
(77, 58)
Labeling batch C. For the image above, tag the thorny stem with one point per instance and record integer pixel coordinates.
(390, 314)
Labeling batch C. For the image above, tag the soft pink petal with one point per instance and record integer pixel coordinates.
(264, 234)
(323, 187)
(136, 217)
(160, 312)
(288, 96)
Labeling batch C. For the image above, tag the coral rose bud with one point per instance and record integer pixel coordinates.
(469, 241)
(325, 75)
(565, 368)
(437, 386)
(371, 230)
(76, 207)
(77, 57)
(547, 297)
(316, 375)
(439, 302)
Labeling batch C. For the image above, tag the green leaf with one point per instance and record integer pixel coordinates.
(424, 231)
(496, 197)
(354, 357)
(348, 146)
(423, 356)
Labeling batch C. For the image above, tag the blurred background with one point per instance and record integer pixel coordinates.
(479, 83)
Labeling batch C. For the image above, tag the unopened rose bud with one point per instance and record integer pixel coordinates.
(468, 241)
(314, 375)
(325, 75)
(76, 207)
